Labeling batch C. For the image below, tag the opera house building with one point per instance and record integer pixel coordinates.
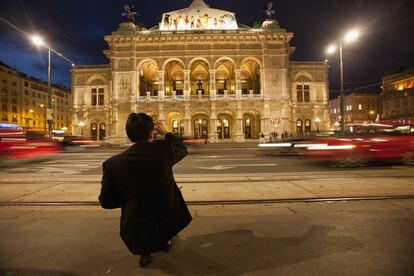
(205, 75)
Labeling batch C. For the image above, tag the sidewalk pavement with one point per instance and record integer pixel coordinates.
(205, 188)
(344, 238)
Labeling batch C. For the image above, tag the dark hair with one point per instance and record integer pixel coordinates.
(139, 126)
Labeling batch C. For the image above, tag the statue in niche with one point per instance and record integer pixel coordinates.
(268, 10)
(129, 13)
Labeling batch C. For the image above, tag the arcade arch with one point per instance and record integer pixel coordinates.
(174, 77)
(225, 76)
(250, 76)
(148, 78)
(199, 77)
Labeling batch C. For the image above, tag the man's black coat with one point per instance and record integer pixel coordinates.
(140, 181)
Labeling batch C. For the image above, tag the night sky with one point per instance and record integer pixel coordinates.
(76, 28)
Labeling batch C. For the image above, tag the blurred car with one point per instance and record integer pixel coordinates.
(76, 143)
(293, 146)
(192, 143)
(363, 150)
(18, 145)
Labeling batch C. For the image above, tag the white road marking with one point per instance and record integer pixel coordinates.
(232, 159)
(226, 167)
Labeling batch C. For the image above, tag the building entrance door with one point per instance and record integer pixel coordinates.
(223, 129)
(201, 129)
(102, 131)
(94, 131)
(248, 129)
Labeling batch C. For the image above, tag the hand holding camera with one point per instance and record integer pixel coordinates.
(160, 128)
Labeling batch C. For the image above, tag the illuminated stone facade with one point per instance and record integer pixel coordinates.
(398, 97)
(215, 83)
(24, 100)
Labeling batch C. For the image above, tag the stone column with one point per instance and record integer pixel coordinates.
(262, 83)
(237, 73)
(286, 107)
(213, 90)
(187, 120)
(161, 90)
(187, 85)
(161, 116)
(264, 121)
(239, 124)
(213, 137)
(134, 94)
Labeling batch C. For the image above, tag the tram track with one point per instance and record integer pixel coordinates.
(222, 202)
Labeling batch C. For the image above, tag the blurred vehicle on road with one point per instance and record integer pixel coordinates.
(363, 150)
(79, 143)
(19, 145)
(293, 146)
(193, 144)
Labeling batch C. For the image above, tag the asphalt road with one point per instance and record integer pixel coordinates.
(347, 238)
(210, 160)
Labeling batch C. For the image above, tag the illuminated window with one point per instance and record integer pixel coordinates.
(360, 107)
(93, 97)
(101, 94)
(303, 93)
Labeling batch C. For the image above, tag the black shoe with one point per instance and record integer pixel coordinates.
(167, 246)
(145, 260)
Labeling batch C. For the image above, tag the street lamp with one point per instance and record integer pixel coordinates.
(349, 37)
(81, 124)
(39, 41)
(317, 121)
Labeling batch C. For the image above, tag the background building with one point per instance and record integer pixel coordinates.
(204, 75)
(398, 97)
(24, 101)
(360, 107)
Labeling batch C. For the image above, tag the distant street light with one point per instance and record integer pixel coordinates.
(349, 37)
(371, 115)
(39, 41)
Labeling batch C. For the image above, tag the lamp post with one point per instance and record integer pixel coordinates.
(317, 121)
(348, 38)
(38, 41)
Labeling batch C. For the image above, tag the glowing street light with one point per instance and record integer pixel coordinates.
(37, 40)
(349, 37)
(331, 49)
(40, 42)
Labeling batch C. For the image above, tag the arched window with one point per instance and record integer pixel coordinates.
(248, 128)
(299, 126)
(302, 93)
(175, 127)
(223, 129)
(308, 126)
(201, 129)
(102, 131)
(97, 96)
(94, 131)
